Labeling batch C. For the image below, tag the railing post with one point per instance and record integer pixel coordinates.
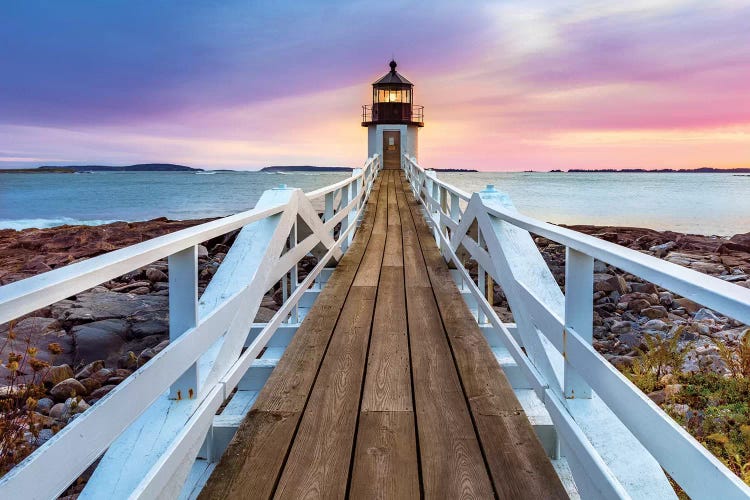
(355, 191)
(294, 278)
(183, 312)
(481, 281)
(328, 210)
(579, 315)
(345, 221)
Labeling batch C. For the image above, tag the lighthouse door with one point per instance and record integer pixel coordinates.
(391, 150)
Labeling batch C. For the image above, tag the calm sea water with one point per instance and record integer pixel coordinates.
(696, 203)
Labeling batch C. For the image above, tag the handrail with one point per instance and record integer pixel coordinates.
(588, 387)
(224, 315)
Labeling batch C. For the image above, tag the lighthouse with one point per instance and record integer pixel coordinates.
(392, 120)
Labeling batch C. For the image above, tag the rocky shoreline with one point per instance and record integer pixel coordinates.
(627, 309)
(89, 343)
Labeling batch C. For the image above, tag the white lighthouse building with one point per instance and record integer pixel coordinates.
(392, 120)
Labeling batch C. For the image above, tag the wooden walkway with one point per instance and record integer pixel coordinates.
(388, 389)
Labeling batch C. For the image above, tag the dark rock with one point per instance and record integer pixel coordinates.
(44, 405)
(648, 288)
(102, 391)
(662, 250)
(655, 312)
(90, 306)
(100, 340)
(155, 275)
(687, 304)
(68, 388)
(658, 397)
(638, 305)
(91, 384)
(60, 412)
(705, 313)
(130, 287)
(56, 374)
(102, 375)
(90, 369)
(149, 326)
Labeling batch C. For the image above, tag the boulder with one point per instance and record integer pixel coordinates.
(705, 313)
(132, 286)
(609, 283)
(59, 412)
(68, 388)
(102, 391)
(687, 304)
(656, 324)
(44, 405)
(155, 275)
(708, 267)
(102, 375)
(90, 369)
(662, 250)
(56, 374)
(91, 384)
(90, 306)
(638, 305)
(655, 312)
(149, 326)
(100, 340)
(648, 288)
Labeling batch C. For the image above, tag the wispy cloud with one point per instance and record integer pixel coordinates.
(506, 85)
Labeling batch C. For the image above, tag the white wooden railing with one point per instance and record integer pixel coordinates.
(152, 426)
(614, 438)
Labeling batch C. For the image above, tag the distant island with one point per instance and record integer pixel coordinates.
(304, 168)
(455, 170)
(72, 169)
(702, 170)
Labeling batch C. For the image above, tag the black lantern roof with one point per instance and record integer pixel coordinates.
(393, 77)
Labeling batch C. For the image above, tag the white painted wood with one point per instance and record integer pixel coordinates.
(183, 312)
(30, 294)
(579, 314)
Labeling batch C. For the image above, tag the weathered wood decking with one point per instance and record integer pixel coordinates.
(388, 389)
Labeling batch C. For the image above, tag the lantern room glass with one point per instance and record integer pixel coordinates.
(391, 95)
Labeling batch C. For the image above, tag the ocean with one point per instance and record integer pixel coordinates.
(692, 203)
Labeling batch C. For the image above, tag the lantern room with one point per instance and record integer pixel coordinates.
(392, 120)
(392, 101)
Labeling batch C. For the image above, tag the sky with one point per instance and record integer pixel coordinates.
(506, 85)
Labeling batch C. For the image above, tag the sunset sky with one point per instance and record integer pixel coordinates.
(512, 85)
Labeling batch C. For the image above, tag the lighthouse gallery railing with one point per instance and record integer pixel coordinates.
(552, 342)
(175, 396)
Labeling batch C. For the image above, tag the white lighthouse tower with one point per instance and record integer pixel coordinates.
(392, 120)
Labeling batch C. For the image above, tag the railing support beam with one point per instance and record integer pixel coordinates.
(579, 315)
(183, 312)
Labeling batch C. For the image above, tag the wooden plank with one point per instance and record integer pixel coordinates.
(388, 381)
(385, 458)
(451, 459)
(385, 461)
(394, 182)
(279, 406)
(393, 255)
(414, 268)
(319, 461)
(320, 458)
(520, 470)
